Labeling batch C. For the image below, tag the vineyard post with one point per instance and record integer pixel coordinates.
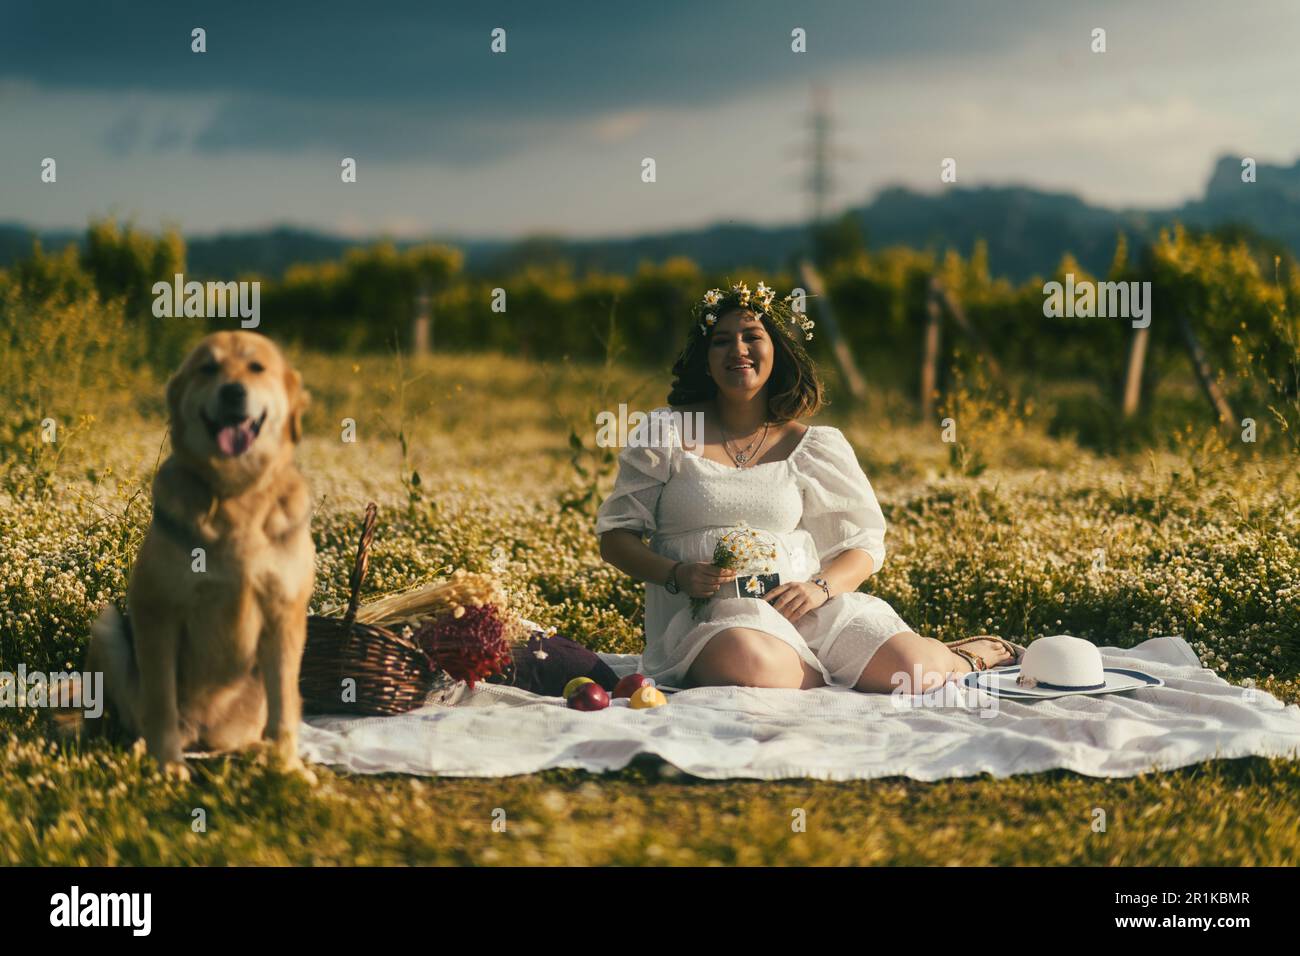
(421, 324)
(1137, 354)
(930, 356)
(958, 313)
(1205, 374)
(839, 346)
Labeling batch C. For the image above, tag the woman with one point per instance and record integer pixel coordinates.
(746, 375)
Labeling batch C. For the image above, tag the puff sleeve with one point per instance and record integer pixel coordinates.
(642, 473)
(840, 510)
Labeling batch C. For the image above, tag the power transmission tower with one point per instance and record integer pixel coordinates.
(820, 182)
(820, 185)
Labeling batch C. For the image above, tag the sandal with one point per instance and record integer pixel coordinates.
(1013, 652)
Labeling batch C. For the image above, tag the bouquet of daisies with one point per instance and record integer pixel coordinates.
(752, 553)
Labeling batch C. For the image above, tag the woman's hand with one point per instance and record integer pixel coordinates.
(702, 580)
(796, 599)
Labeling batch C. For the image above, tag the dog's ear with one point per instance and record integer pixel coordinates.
(299, 399)
(175, 390)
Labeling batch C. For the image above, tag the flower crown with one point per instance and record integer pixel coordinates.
(762, 301)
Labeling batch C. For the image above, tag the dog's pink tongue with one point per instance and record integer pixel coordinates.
(235, 439)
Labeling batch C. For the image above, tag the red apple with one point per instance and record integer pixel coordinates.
(630, 684)
(589, 697)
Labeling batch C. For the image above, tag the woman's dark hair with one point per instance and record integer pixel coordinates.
(794, 389)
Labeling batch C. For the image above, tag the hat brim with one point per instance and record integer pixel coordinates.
(1001, 682)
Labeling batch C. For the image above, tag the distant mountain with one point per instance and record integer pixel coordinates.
(1027, 232)
(1271, 204)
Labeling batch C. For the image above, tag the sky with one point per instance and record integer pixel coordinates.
(452, 139)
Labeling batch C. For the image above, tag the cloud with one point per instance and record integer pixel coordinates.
(121, 138)
(418, 79)
(551, 134)
(169, 136)
(369, 132)
(619, 126)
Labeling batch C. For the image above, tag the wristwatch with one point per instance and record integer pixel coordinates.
(671, 584)
(821, 583)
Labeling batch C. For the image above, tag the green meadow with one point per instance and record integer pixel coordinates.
(1041, 517)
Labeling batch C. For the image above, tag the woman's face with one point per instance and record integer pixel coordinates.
(741, 354)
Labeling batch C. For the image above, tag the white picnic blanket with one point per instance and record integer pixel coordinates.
(831, 733)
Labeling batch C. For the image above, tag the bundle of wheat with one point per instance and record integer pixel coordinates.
(406, 649)
(451, 597)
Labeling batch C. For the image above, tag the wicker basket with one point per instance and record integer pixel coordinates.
(393, 674)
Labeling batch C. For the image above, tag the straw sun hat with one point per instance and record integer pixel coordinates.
(1059, 666)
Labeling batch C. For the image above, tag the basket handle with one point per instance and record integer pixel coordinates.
(363, 560)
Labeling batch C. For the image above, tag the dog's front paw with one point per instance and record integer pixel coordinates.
(304, 773)
(263, 753)
(283, 758)
(177, 770)
(166, 750)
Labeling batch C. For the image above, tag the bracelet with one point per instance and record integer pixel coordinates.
(821, 583)
(671, 585)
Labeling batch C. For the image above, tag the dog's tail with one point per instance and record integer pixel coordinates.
(111, 628)
(110, 662)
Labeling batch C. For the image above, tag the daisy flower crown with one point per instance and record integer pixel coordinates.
(762, 301)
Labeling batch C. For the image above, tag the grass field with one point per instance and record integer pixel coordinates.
(997, 534)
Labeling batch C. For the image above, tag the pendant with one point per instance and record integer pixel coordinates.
(741, 458)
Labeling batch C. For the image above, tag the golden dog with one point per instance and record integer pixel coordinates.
(218, 595)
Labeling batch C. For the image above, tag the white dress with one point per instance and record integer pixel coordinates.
(815, 503)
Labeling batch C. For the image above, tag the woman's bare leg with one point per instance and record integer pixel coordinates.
(910, 663)
(811, 677)
(741, 656)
